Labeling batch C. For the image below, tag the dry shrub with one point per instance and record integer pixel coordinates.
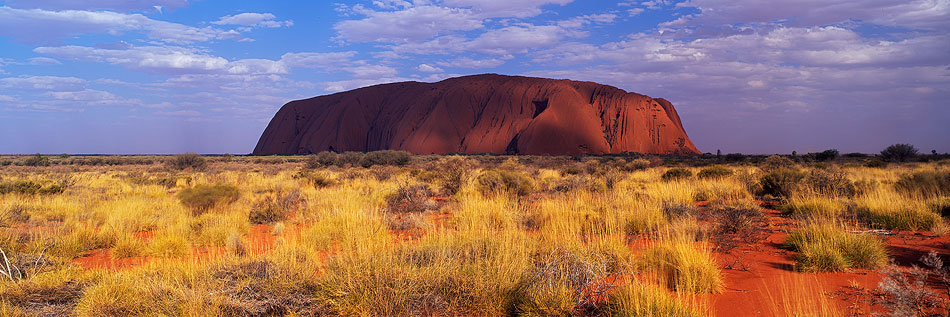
(453, 172)
(905, 291)
(830, 183)
(317, 179)
(737, 221)
(248, 291)
(562, 283)
(12, 214)
(777, 162)
(202, 198)
(55, 293)
(574, 182)
(274, 209)
(505, 181)
(410, 198)
(780, 182)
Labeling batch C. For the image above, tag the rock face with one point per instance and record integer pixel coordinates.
(479, 114)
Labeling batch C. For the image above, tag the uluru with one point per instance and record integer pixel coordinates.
(488, 113)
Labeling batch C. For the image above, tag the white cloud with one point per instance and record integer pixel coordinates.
(466, 62)
(371, 71)
(426, 68)
(506, 8)
(517, 39)
(930, 14)
(317, 60)
(90, 97)
(253, 19)
(44, 61)
(152, 59)
(43, 83)
(42, 26)
(409, 25)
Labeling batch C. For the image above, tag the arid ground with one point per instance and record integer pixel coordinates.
(388, 233)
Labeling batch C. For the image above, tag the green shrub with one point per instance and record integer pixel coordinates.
(37, 160)
(385, 157)
(635, 165)
(828, 248)
(715, 171)
(25, 187)
(827, 155)
(780, 182)
(876, 164)
(185, 161)
(498, 181)
(926, 184)
(201, 198)
(322, 159)
(899, 152)
(349, 158)
(677, 173)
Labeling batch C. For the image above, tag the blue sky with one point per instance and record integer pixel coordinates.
(170, 76)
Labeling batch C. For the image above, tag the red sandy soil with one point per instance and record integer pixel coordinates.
(258, 240)
(766, 280)
(479, 114)
(759, 278)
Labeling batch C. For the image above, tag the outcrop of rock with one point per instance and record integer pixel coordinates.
(479, 114)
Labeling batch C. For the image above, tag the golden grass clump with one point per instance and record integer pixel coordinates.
(640, 299)
(813, 207)
(682, 265)
(826, 247)
(885, 208)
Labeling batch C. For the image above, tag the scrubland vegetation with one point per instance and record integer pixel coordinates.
(387, 233)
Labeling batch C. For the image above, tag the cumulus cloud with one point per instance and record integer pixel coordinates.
(316, 60)
(411, 24)
(506, 8)
(43, 83)
(466, 62)
(426, 68)
(929, 14)
(42, 26)
(44, 61)
(253, 19)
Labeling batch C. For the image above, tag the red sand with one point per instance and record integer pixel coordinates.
(479, 114)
